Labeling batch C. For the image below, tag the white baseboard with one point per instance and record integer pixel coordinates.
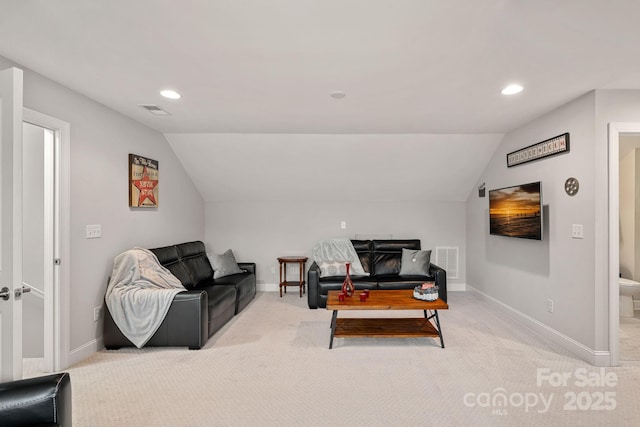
(86, 350)
(267, 287)
(589, 355)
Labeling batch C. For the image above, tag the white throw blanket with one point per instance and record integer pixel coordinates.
(140, 293)
(332, 254)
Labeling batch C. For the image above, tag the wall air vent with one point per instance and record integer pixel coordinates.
(154, 109)
(447, 258)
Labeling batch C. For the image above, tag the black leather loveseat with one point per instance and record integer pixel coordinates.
(41, 401)
(197, 314)
(382, 260)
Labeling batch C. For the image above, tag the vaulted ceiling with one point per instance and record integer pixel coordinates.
(268, 67)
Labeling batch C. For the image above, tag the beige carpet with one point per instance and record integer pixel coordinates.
(630, 338)
(271, 366)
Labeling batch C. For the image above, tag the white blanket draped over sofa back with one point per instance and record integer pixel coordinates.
(332, 254)
(140, 293)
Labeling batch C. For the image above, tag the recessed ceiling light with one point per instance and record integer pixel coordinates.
(171, 94)
(338, 94)
(512, 89)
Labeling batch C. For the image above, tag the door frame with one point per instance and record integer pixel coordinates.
(57, 246)
(615, 130)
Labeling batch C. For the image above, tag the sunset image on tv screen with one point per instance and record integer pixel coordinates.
(516, 211)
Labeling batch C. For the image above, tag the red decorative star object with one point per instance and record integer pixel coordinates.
(146, 186)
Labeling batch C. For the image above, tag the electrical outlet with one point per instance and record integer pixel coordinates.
(94, 231)
(550, 305)
(343, 224)
(96, 313)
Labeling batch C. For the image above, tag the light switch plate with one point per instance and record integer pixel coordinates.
(94, 231)
(577, 231)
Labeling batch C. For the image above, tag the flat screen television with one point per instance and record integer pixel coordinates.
(516, 211)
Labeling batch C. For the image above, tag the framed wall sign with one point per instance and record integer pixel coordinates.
(143, 182)
(550, 147)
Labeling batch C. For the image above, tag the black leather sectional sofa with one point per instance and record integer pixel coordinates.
(41, 401)
(382, 260)
(197, 314)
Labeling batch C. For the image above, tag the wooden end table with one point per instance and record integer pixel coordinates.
(301, 261)
(386, 327)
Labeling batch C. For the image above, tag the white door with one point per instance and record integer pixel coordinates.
(11, 224)
(56, 258)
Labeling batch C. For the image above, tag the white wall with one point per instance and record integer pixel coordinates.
(262, 231)
(572, 272)
(334, 167)
(270, 195)
(101, 140)
(523, 274)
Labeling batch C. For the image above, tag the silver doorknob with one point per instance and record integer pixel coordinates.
(4, 293)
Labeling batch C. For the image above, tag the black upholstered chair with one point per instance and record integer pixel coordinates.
(41, 401)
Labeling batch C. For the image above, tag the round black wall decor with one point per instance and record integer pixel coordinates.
(571, 186)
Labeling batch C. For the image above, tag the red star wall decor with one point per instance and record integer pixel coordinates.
(143, 182)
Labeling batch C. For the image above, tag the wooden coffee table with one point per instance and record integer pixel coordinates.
(385, 327)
